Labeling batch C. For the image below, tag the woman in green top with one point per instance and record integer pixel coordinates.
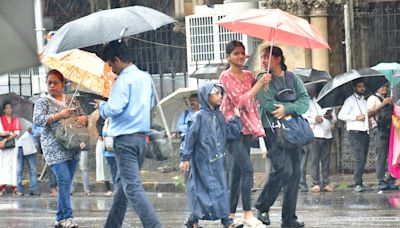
(286, 162)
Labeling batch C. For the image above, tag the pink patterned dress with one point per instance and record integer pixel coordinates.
(237, 95)
(394, 147)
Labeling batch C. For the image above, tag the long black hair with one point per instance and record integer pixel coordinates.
(230, 47)
(276, 52)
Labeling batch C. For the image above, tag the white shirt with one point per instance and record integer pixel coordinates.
(26, 142)
(373, 102)
(320, 130)
(352, 107)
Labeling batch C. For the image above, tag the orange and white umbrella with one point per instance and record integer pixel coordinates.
(84, 68)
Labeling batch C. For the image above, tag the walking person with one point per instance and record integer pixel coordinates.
(48, 111)
(27, 153)
(240, 91)
(355, 113)
(380, 114)
(285, 161)
(128, 108)
(321, 121)
(203, 153)
(9, 131)
(394, 145)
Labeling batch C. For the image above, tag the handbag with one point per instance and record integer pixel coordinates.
(107, 140)
(70, 136)
(292, 132)
(9, 144)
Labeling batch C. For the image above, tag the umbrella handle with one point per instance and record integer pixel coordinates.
(73, 96)
(161, 113)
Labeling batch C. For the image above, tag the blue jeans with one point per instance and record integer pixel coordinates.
(130, 151)
(113, 167)
(64, 172)
(31, 159)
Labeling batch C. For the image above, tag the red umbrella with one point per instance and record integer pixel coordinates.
(276, 26)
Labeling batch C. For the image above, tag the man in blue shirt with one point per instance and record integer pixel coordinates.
(128, 108)
(181, 125)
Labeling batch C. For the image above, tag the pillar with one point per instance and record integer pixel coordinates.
(320, 57)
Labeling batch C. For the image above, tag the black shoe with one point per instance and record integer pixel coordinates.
(294, 224)
(303, 188)
(263, 217)
(34, 194)
(382, 185)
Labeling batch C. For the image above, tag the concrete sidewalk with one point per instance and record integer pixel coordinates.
(156, 181)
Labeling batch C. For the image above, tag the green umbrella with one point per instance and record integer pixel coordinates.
(389, 70)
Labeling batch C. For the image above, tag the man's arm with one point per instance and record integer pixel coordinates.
(117, 101)
(344, 113)
(375, 109)
(180, 124)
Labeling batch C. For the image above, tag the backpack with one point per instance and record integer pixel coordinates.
(384, 118)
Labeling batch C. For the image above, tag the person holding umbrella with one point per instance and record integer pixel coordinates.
(48, 112)
(129, 125)
(380, 113)
(240, 91)
(321, 121)
(285, 161)
(355, 113)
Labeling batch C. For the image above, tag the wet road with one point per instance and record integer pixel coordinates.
(337, 209)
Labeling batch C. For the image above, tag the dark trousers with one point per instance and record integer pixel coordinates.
(359, 143)
(381, 153)
(130, 151)
(240, 172)
(286, 174)
(303, 165)
(320, 154)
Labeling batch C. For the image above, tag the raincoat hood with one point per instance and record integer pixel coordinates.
(204, 92)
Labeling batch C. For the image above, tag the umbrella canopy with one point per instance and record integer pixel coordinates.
(173, 105)
(389, 70)
(276, 26)
(308, 75)
(105, 26)
(85, 68)
(18, 42)
(336, 91)
(21, 107)
(209, 71)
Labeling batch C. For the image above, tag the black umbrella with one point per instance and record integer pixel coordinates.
(209, 71)
(312, 75)
(21, 107)
(336, 91)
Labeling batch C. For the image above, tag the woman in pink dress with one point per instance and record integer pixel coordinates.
(240, 89)
(394, 144)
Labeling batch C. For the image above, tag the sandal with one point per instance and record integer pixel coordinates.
(59, 224)
(237, 223)
(70, 223)
(316, 188)
(190, 224)
(253, 223)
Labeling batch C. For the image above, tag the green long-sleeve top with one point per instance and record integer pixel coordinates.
(267, 101)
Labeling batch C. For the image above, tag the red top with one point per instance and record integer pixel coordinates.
(13, 125)
(237, 95)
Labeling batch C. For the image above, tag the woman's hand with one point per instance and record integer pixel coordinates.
(81, 121)
(65, 113)
(265, 79)
(3, 143)
(279, 113)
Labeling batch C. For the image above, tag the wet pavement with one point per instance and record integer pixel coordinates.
(337, 209)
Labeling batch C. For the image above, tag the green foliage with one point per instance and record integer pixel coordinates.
(179, 183)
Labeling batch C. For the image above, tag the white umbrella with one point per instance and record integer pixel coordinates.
(18, 43)
(173, 105)
(105, 26)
